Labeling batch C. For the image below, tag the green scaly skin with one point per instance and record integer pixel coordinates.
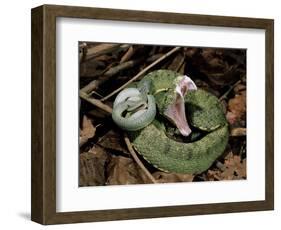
(171, 156)
(204, 114)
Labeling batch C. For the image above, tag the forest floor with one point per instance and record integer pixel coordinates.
(105, 158)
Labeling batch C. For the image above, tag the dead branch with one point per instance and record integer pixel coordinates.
(115, 69)
(95, 102)
(90, 87)
(122, 66)
(108, 74)
(128, 55)
(229, 90)
(137, 160)
(178, 68)
(141, 73)
(102, 49)
(154, 57)
(181, 70)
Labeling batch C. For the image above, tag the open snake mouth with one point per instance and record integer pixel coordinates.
(176, 111)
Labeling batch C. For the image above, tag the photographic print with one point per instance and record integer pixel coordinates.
(161, 114)
(116, 108)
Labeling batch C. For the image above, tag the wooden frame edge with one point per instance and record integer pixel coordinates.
(37, 205)
(43, 45)
(269, 116)
(43, 155)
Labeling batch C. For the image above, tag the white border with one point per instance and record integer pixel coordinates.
(72, 198)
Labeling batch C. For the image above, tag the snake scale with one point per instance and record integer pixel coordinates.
(163, 101)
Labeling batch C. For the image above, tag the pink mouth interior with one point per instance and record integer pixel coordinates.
(176, 111)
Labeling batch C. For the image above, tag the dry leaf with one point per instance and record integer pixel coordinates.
(237, 108)
(235, 169)
(214, 70)
(219, 66)
(92, 167)
(163, 177)
(237, 132)
(113, 141)
(190, 52)
(123, 170)
(238, 88)
(88, 130)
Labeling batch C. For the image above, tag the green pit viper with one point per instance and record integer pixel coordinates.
(164, 99)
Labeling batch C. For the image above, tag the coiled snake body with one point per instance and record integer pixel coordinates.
(179, 103)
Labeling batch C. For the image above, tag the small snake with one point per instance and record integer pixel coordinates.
(164, 99)
(140, 109)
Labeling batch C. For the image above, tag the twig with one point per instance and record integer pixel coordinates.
(127, 55)
(154, 57)
(141, 73)
(93, 84)
(95, 102)
(181, 70)
(177, 62)
(122, 66)
(90, 87)
(91, 72)
(95, 93)
(91, 69)
(137, 160)
(115, 69)
(108, 74)
(229, 90)
(102, 49)
(180, 64)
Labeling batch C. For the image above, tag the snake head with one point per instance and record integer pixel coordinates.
(175, 111)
